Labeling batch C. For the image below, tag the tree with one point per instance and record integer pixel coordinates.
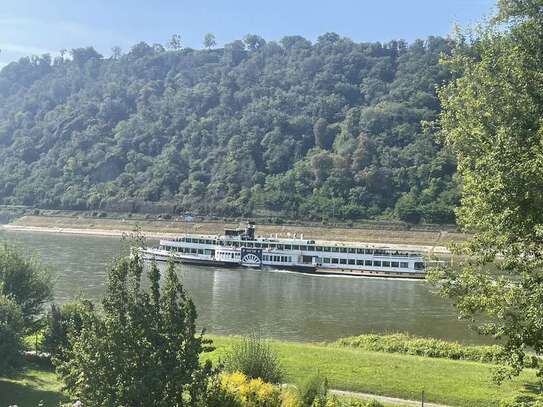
(324, 134)
(81, 55)
(116, 52)
(143, 350)
(26, 282)
(11, 331)
(63, 321)
(253, 42)
(209, 41)
(228, 115)
(175, 42)
(492, 120)
(407, 210)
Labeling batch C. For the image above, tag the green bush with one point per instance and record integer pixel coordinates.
(523, 401)
(11, 328)
(430, 347)
(141, 346)
(26, 282)
(219, 396)
(313, 391)
(62, 321)
(254, 357)
(334, 401)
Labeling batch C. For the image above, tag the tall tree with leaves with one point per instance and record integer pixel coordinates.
(27, 283)
(11, 331)
(492, 120)
(143, 350)
(175, 42)
(209, 41)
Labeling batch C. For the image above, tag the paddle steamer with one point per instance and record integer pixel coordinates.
(242, 248)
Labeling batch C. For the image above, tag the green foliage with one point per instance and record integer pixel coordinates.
(209, 41)
(143, 350)
(522, 401)
(492, 121)
(313, 391)
(334, 401)
(218, 396)
(445, 381)
(321, 130)
(254, 357)
(63, 321)
(407, 210)
(430, 347)
(26, 282)
(11, 331)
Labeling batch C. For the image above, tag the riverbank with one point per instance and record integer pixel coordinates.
(420, 240)
(444, 381)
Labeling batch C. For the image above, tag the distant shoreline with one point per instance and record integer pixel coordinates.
(80, 231)
(418, 241)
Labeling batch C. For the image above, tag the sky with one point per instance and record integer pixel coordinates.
(35, 27)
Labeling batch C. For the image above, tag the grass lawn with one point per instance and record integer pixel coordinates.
(457, 383)
(29, 387)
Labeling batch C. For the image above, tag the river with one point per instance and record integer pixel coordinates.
(282, 305)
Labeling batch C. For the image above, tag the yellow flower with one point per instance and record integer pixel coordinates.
(289, 398)
(232, 381)
(252, 392)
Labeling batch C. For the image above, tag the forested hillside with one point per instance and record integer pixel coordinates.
(305, 130)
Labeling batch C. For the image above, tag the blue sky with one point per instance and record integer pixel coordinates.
(45, 26)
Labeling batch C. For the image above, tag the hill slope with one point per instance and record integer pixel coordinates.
(305, 130)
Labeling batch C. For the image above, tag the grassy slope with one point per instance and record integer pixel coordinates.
(27, 388)
(456, 383)
(445, 381)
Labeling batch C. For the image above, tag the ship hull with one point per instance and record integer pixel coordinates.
(370, 273)
(189, 260)
(301, 269)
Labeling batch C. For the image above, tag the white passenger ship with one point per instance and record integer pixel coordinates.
(240, 247)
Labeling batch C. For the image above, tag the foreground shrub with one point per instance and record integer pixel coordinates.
(143, 349)
(313, 391)
(254, 357)
(238, 390)
(27, 283)
(11, 329)
(430, 347)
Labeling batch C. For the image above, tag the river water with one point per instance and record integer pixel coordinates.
(282, 305)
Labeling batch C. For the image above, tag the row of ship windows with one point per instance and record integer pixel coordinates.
(277, 259)
(374, 263)
(186, 250)
(333, 249)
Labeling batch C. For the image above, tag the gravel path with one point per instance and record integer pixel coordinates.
(384, 399)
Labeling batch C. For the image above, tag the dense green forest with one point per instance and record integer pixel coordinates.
(330, 129)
